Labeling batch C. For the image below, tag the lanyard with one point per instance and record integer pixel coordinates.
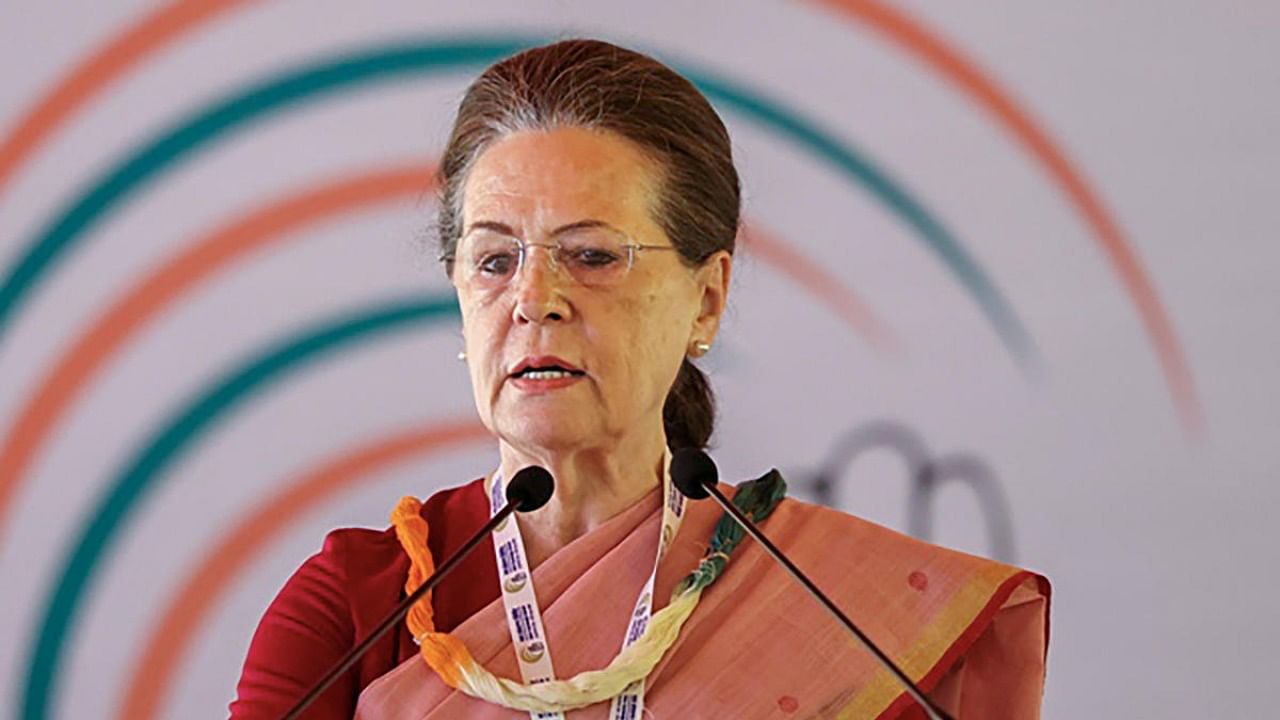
(524, 619)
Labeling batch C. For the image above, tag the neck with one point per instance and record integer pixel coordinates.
(592, 485)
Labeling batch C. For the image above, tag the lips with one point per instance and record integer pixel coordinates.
(545, 367)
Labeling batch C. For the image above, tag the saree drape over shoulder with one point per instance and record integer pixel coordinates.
(973, 633)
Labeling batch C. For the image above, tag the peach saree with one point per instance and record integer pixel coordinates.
(973, 633)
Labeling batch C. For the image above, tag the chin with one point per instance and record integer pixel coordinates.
(545, 433)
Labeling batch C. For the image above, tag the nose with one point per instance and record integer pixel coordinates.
(538, 288)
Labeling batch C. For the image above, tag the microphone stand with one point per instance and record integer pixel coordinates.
(401, 610)
(933, 711)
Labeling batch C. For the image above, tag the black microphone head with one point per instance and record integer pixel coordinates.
(531, 488)
(691, 471)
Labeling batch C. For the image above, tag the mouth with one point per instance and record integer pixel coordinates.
(545, 368)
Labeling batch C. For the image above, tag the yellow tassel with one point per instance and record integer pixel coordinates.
(593, 686)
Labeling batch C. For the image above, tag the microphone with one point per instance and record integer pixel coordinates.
(694, 474)
(529, 490)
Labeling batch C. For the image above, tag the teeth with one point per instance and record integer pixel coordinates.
(547, 374)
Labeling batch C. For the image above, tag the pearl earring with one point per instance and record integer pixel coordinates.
(699, 348)
(462, 355)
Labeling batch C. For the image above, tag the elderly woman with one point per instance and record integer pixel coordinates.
(588, 215)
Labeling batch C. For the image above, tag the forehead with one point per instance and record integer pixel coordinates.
(534, 179)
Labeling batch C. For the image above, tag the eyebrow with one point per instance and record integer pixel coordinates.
(505, 229)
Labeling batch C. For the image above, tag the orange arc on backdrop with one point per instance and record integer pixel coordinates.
(825, 286)
(97, 71)
(952, 66)
(180, 622)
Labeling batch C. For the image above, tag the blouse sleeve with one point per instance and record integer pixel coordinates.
(304, 631)
(1001, 677)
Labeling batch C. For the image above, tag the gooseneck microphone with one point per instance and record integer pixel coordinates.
(694, 474)
(529, 490)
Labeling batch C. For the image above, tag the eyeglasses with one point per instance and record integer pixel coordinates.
(593, 256)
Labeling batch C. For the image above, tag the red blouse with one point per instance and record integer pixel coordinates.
(343, 592)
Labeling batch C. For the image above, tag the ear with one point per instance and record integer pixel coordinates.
(713, 281)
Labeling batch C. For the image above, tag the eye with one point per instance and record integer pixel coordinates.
(592, 257)
(496, 263)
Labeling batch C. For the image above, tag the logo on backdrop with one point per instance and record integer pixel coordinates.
(926, 472)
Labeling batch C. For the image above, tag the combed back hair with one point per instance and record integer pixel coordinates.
(599, 86)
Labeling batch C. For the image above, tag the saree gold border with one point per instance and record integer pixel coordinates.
(935, 640)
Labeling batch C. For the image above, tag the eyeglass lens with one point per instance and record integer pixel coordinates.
(591, 256)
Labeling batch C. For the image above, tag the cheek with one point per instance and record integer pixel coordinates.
(482, 339)
(652, 332)
(670, 316)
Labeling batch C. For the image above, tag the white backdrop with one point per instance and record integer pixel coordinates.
(1032, 237)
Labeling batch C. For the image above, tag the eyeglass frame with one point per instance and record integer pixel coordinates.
(554, 249)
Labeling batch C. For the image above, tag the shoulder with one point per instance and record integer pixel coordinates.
(902, 564)
(818, 529)
(463, 503)
(813, 524)
(911, 568)
(344, 546)
(353, 559)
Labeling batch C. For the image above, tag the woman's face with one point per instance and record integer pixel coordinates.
(622, 344)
